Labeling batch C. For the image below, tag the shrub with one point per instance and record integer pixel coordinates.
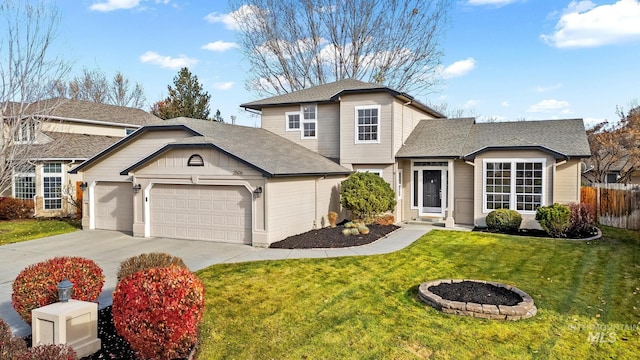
(49, 352)
(346, 232)
(11, 347)
(554, 219)
(504, 220)
(158, 311)
(582, 220)
(37, 285)
(15, 209)
(367, 195)
(332, 216)
(147, 261)
(387, 219)
(354, 231)
(363, 229)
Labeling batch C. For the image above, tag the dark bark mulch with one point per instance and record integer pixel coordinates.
(542, 233)
(475, 292)
(333, 238)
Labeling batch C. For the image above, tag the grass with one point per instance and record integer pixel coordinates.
(587, 294)
(23, 230)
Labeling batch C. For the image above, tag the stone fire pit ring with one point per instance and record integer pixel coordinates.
(524, 309)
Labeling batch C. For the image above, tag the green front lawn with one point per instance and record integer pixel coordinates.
(587, 294)
(23, 230)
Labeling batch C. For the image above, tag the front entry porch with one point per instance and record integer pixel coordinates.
(432, 187)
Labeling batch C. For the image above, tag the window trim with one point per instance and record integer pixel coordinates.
(22, 174)
(512, 194)
(304, 121)
(286, 116)
(399, 179)
(378, 132)
(52, 175)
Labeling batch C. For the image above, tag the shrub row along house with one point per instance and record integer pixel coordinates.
(194, 179)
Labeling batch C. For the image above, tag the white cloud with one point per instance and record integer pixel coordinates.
(244, 14)
(220, 46)
(471, 103)
(111, 5)
(458, 68)
(167, 61)
(543, 89)
(550, 105)
(223, 85)
(583, 24)
(490, 2)
(505, 104)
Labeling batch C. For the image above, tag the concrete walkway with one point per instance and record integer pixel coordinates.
(109, 248)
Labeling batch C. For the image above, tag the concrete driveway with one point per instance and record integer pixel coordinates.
(109, 248)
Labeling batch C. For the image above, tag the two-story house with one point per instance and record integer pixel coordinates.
(60, 134)
(195, 179)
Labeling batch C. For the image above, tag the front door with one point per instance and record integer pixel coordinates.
(431, 191)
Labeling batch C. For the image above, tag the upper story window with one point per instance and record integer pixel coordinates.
(26, 132)
(309, 121)
(293, 121)
(367, 124)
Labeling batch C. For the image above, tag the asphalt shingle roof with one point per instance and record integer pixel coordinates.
(263, 150)
(72, 146)
(438, 138)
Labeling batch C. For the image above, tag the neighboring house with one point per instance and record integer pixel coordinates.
(60, 136)
(194, 179)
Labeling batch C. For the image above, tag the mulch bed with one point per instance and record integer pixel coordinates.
(475, 292)
(542, 233)
(333, 238)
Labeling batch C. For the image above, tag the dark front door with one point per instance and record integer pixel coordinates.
(431, 188)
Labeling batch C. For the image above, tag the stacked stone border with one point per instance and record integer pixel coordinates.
(524, 309)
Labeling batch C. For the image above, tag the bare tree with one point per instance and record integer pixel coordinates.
(120, 92)
(295, 44)
(26, 72)
(450, 112)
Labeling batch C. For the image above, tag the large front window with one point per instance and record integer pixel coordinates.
(24, 183)
(367, 124)
(517, 185)
(52, 186)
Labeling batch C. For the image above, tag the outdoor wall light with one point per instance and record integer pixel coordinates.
(258, 191)
(65, 287)
(136, 188)
(83, 185)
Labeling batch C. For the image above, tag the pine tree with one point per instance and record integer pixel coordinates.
(186, 98)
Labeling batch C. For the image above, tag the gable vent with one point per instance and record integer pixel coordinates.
(195, 160)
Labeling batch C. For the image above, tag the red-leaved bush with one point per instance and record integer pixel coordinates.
(10, 346)
(14, 209)
(50, 352)
(158, 311)
(37, 285)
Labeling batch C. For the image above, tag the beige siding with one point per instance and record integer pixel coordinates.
(81, 128)
(327, 141)
(463, 193)
(297, 205)
(567, 182)
(376, 153)
(405, 119)
(528, 220)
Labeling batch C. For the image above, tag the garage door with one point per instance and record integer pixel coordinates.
(212, 213)
(114, 206)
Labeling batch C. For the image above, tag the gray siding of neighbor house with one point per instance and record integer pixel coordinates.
(297, 205)
(327, 141)
(373, 153)
(528, 220)
(568, 181)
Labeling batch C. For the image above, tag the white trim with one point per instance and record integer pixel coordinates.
(356, 125)
(399, 180)
(286, 117)
(52, 175)
(373, 171)
(313, 121)
(24, 175)
(444, 188)
(92, 205)
(512, 193)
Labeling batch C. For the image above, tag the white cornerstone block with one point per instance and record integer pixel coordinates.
(74, 323)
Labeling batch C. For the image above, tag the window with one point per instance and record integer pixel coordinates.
(293, 121)
(612, 178)
(52, 184)
(367, 124)
(24, 183)
(26, 132)
(373, 171)
(399, 185)
(517, 185)
(195, 160)
(309, 121)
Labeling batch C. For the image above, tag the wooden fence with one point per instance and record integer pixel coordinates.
(616, 205)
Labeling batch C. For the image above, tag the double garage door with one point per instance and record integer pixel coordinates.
(212, 213)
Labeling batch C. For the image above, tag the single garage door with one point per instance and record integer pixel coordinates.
(114, 206)
(199, 212)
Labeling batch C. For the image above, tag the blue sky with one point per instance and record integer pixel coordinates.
(504, 59)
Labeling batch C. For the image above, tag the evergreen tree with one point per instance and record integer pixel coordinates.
(186, 98)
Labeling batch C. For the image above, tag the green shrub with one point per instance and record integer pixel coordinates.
(363, 229)
(49, 352)
(346, 232)
(554, 219)
(367, 195)
(158, 311)
(11, 347)
(15, 209)
(354, 231)
(582, 220)
(350, 225)
(37, 285)
(504, 220)
(147, 261)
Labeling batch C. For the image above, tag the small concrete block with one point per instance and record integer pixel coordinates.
(506, 310)
(490, 309)
(474, 307)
